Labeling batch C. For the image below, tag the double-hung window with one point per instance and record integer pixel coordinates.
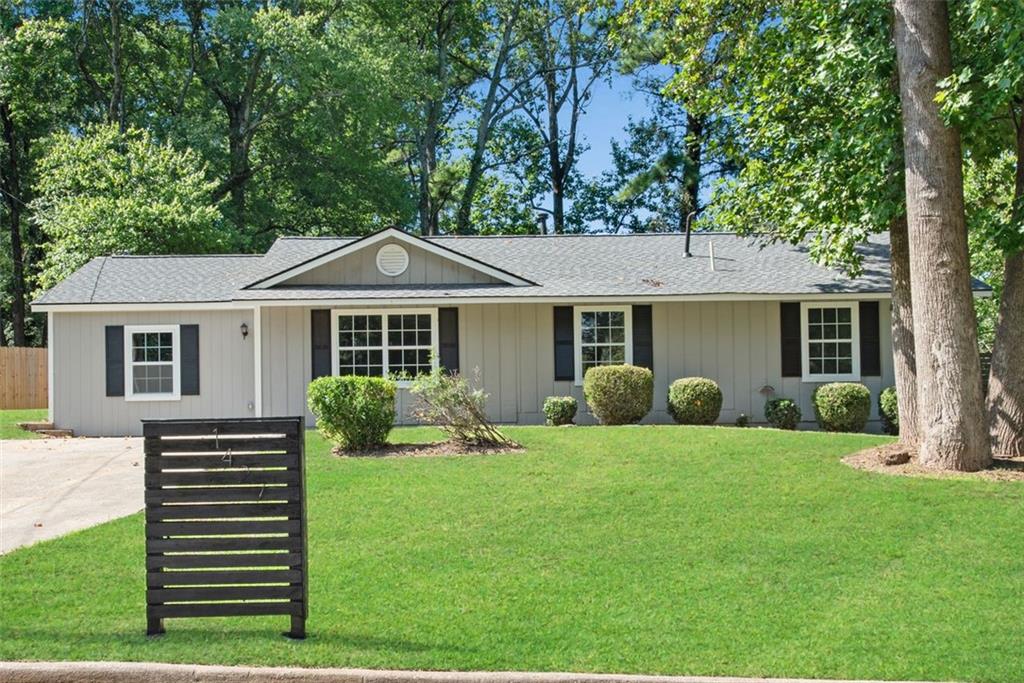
(385, 343)
(153, 363)
(604, 336)
(830, 337)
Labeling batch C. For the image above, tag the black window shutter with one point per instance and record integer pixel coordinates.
(565, 363)
(789, 319)
(115, 360)
(448, 338)
(870, 340)
(189, 360)
(320, 338)
(643, 337)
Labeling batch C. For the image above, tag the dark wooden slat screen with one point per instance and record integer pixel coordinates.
(225, 519)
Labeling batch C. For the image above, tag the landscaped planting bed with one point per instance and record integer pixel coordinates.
(652, 549)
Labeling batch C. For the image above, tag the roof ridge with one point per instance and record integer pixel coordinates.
(142, 256)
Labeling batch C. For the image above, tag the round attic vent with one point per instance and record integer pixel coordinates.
(392, 260)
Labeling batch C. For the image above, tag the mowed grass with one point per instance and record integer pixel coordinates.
(9, 420)
(634, 549)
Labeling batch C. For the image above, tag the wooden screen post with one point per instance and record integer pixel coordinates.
(225, 519)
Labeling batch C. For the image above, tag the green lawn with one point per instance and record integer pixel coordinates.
(631, 549)
(9, 420)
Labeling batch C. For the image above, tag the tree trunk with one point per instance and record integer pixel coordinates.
(428, 166)
(238, 149)
(11, 181)
(952, 421)
(1006, 378)
(555, 168)
(115, 108)
(904, 363)
(484, 126)
(692, 163)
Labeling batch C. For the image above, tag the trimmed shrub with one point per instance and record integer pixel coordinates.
(447, 401)
(888, 409)
(619, 394)
(782, 413)
(560, 410)
(742, 420)
(842, 406)
(354, 412)
(694, 401)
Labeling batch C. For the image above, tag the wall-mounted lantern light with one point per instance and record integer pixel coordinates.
(245, 330)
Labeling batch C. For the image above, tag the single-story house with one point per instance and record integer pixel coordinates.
(135, 337)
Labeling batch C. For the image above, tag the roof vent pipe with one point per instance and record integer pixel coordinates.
(686, 245)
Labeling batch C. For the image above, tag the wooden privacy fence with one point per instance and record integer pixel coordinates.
(225, 519)
(23, 377)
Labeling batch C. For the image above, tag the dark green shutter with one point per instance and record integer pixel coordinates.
(189, 360)
(448, 338)
(115, 360)
(565, 363)
(320, 339)
(643, 337)
(789, 325)
(870, 340)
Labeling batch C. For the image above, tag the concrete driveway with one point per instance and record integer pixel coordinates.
(49, 487)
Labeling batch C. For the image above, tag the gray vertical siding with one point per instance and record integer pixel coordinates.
(734, 343)
(360, 268)
(77, 345)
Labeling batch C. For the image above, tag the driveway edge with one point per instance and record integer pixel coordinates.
(141, 672)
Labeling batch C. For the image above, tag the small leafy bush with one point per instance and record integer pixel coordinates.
(619, 394)
(694, 401)
(447, 401)
(560, 410)
(888, 409)
(842, 406)
(782, 413)
(742, 420)
(354, 412)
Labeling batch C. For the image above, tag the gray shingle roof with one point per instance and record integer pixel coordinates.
(562, 266)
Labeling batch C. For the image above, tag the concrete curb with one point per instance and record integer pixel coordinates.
(135, 672)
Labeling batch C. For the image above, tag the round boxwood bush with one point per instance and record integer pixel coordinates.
(694, 401)
(842, 406)
(888, 409)
(560, 410)
(782, 413)
(356, 413)
(619, 394)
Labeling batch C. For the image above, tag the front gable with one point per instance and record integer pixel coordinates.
(390, 257)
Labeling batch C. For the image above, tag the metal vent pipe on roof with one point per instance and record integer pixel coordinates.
(686, 244)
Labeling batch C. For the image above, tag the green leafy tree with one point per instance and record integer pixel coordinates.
(111, 193)
(37, 94)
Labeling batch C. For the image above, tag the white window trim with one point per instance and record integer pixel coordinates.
(805, 340)
(129, 385)
(577, 332)
(384, 313)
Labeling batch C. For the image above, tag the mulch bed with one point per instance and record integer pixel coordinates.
(426, 450)
(897, 459)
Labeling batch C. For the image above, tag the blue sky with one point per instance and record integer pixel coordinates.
(607, 114)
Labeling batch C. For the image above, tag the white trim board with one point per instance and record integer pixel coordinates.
(389, 233)
(456, 300)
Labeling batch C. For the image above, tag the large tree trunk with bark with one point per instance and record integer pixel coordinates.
(903, 355)
(11, 182)
(1006, 378)
(954, 432)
